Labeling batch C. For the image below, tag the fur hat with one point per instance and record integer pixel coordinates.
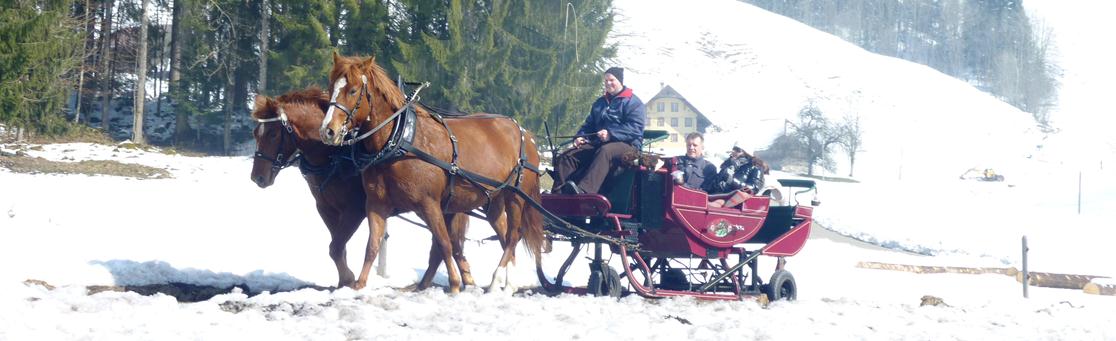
(617, 72)
(740, 144)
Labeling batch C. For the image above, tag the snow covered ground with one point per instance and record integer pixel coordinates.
(211, 225)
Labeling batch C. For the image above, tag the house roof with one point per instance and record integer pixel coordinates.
(669, 92)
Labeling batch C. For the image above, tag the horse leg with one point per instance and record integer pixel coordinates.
(376, 225)
(431, 213)
(512, 220)
(497, 217)
(459, 226)
(432, 264)
(340, 231)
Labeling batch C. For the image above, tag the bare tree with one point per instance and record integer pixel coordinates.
(141, 77)
(816, 135)
(849, 137)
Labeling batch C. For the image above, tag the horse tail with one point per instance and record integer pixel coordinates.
(533, 233)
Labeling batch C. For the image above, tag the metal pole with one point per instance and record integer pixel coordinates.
(1079, 176)
(1026, 275)
(381, 259)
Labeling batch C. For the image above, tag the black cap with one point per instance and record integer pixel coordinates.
(617, 72)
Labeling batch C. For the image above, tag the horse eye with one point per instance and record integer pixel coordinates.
(352, 92)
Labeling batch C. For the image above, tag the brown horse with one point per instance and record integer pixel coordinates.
(287, 127)
(445, 165)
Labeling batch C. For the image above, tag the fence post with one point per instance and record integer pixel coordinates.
(1026, 274)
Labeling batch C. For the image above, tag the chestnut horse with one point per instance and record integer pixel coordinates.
(288, 127)
(433, 165)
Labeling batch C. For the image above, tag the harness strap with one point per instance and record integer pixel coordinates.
(453, 164)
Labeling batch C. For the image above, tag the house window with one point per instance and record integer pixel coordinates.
(660, 121)
(660, 106)
(689, 121)
(673, 137)
(674, 122)
(674, 107)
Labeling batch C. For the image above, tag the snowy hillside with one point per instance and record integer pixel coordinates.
(748, 70)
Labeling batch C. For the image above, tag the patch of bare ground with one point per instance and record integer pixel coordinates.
(20, 162)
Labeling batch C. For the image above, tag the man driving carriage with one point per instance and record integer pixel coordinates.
(613, 128)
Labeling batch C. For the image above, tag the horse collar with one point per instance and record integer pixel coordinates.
(401, 140)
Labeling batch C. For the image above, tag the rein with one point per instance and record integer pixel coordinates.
(400, 143)
(279, 162)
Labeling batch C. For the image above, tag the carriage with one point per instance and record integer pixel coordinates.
(671, 242)
(404, 157)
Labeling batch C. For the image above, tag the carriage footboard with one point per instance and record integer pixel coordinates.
(780, 219)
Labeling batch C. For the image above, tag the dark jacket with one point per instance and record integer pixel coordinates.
(622, 115)
(737, 174)
(696, 173)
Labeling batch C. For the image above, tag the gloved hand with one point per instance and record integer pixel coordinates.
(678, 177)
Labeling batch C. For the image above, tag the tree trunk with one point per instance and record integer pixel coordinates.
(106, 65)
(265, 37)
(81, 67)
(160, 54)
(141, 77)
(227, 134)
(852, 163)
(181, 122)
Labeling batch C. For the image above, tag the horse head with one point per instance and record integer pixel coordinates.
(361, 93)
(276, 143)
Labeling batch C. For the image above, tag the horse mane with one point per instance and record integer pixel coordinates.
(312, 94)
(265, 108)
(351, 68)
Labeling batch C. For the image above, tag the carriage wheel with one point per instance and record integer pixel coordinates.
(782, 286)
(607, 284)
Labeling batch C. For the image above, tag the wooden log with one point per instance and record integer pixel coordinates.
(927, 269)
(1038, 279)
(1053, 280)
(1095, 288)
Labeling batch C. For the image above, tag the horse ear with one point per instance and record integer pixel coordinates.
(336, 57)
(263, 104)
(259, 103)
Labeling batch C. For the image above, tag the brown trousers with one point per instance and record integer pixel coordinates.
(589, 165)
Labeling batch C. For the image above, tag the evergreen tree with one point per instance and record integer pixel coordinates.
(537, 61)
(39, 52)
(555, 57)
(302, 48)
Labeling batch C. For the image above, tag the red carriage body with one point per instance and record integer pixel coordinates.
(675, 244)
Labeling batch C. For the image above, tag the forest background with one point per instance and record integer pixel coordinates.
(63, 62)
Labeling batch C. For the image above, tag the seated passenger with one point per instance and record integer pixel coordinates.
(692, 170)
(613, 128)
(740, 178)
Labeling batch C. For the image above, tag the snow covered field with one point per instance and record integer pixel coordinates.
(211, 225)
